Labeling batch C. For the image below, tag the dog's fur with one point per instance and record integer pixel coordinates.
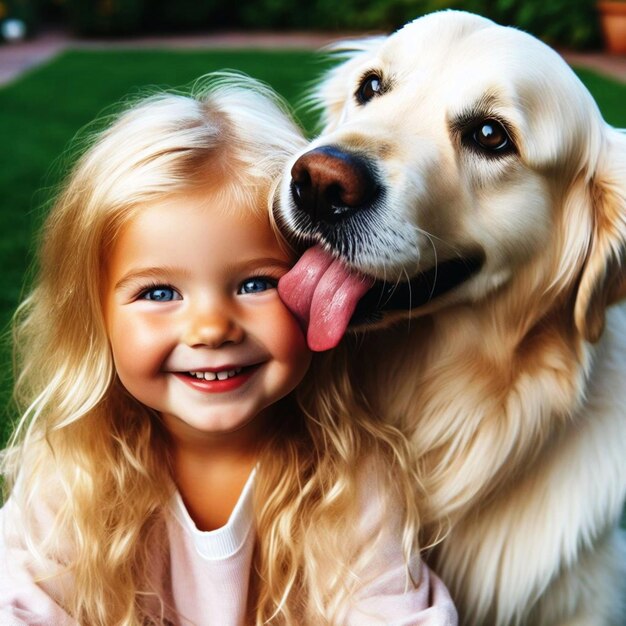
(513, 384)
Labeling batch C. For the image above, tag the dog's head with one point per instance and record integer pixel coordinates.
(456, 154)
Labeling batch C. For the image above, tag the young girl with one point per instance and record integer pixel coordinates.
(162, 471)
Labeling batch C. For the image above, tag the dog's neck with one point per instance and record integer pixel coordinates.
(471, 366)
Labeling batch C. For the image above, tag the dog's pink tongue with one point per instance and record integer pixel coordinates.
(322, 293)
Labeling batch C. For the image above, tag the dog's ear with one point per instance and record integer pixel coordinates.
(603, 280)
(338, 85)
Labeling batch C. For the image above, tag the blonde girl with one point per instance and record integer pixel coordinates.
(162, 471)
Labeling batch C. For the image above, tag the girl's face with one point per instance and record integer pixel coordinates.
(196, 327)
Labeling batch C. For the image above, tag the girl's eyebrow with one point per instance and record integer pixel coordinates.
(255, 262)
(147, 273)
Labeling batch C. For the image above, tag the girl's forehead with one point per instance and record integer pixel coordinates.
(200, 220)
(243, 204)
(237, 199)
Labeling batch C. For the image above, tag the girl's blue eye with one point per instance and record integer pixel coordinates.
(257, 285)
(160, 294)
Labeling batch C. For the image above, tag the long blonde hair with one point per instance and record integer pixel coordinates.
(83, 442)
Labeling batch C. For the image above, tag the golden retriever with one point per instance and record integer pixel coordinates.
(467, 203)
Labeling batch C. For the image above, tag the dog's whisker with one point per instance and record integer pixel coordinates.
(451, 247)
(436, 266)
(408, 279)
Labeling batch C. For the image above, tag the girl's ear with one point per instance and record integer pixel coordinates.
(339, 84)
(603, 281)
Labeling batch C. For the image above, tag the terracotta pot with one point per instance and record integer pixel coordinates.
(613, 21)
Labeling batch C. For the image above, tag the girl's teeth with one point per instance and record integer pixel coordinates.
(216, 375)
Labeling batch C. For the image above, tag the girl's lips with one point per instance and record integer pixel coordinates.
(219, 386)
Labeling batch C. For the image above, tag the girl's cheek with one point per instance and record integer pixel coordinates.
(139, 342)
(292, 337)
(275, 327)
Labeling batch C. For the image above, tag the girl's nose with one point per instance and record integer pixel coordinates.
(213, 330)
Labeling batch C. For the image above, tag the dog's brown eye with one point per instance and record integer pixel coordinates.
(491, 135)
(370, 87)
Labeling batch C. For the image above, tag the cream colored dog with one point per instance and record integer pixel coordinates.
(466, 188)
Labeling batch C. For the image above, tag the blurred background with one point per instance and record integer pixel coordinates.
(561, 23)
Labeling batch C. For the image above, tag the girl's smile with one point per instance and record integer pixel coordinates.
(197, 329)
(219, 380)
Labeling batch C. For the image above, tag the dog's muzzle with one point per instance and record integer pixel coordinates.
(336, 195)
(331, 185)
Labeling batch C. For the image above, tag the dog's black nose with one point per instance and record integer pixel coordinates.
(330, 184)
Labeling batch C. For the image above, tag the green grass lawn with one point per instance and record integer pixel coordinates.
(40, 114)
